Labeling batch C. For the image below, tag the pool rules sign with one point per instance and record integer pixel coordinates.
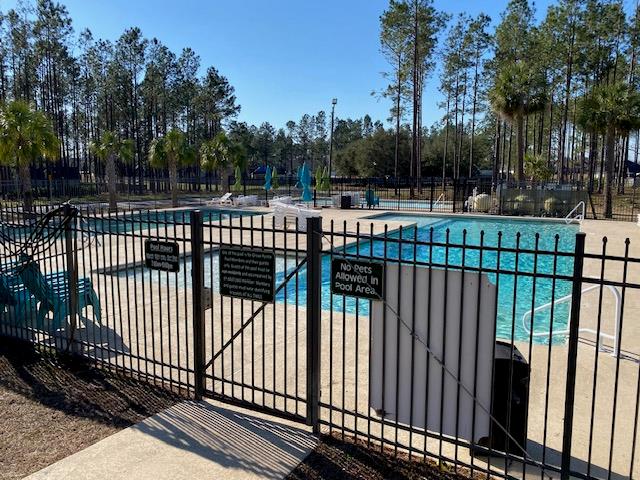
(247, 273)
(355, 278)
(164, 256)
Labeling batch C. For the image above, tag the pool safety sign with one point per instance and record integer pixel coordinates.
(247, 273)
(163, 256)
(356, 278)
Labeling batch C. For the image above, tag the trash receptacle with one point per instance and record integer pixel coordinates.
(510, 402)
(345, 202)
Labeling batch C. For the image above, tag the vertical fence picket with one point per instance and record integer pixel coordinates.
(572, 355)
(197, 272)
(314, 313)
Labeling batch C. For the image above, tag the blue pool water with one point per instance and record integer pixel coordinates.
(514, 298)
(154, 219)
(128, 222)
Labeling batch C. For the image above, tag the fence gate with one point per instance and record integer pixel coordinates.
(251, 319)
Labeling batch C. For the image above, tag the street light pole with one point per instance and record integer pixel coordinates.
(333, 111)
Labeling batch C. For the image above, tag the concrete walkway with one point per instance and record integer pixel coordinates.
(192, 440)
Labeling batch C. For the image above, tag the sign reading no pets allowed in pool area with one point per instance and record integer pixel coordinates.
(356, 278)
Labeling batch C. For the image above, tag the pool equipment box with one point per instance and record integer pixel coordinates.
(247, 273)
(355, 278)
(454, 314)
(163, 256)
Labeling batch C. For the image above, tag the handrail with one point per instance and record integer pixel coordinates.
(579, 217)
(440, 199)
(565, 299)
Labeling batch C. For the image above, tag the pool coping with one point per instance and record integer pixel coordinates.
(475, 216)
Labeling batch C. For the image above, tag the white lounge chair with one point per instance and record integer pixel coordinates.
(292, 212)
(223, 200)
(287, 200)
(246, 201)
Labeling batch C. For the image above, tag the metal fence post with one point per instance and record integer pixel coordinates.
(572, 355)
(71, 254)
(431, 196)
(314, 293)
(197, 272)
(455, 194)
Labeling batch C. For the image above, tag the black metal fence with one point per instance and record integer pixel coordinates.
(483, 196)
(510, 354)
(431, 194)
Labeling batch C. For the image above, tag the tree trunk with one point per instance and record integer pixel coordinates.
(593, 158)
(173, 183)
(473, 113)
(520, 144)
(415, 133)
(446, 143)
(565, 112)
(496, 154)
(608, 186)
(397, 139)
(111, 183)
(25, 180)
(509, 151)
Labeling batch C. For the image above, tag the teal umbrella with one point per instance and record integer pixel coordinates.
(299, 177)
(267, 182)
(267, 179)
(305, 182)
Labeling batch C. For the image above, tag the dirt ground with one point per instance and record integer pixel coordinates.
(51, 407)
(350, 459)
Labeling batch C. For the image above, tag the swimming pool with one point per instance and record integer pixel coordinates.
(153, 219)
(515, 298)
(129, 222)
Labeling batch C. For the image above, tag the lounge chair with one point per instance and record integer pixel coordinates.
(371, 198)
(287, 200)
(224, 200)
(52, 292)
(246, 201)
(293, 212)
(15, 296)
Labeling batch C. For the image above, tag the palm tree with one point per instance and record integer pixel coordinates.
(25, 136)
(215, 154)
(239, 160)
(170, 152)
(518, 91)
(611, 110)
(109, 149)
(536, 168)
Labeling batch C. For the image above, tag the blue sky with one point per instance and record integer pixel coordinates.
(284, 57)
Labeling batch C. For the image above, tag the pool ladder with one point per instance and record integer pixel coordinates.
(580, 209)
(439, 200)
(601, 336)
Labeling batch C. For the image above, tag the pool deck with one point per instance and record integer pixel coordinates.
(281, 332)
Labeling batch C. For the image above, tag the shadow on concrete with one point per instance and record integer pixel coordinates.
(551, 457)
(232, 439)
